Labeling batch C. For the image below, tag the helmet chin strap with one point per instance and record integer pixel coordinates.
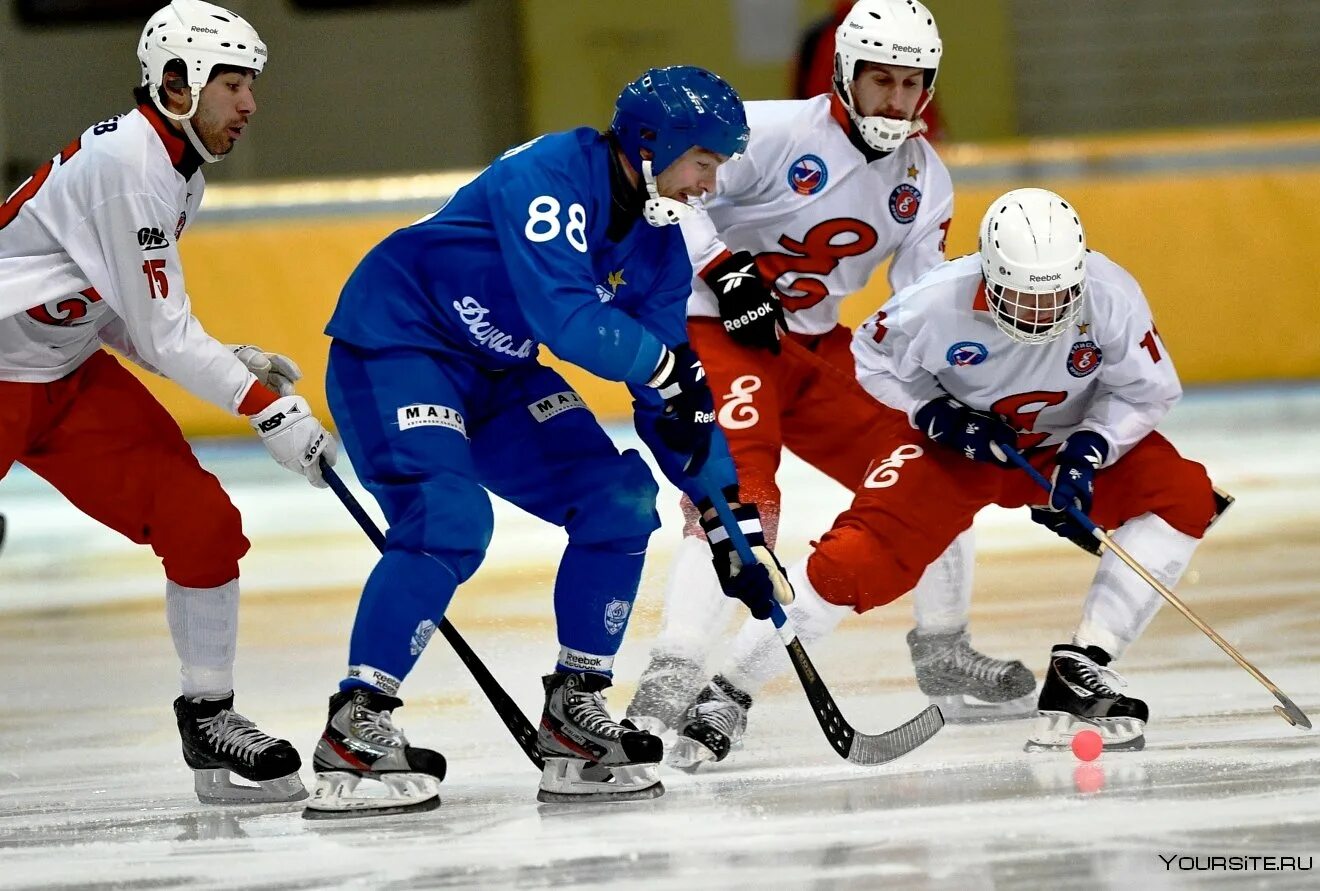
(660, 211)
(185, 121)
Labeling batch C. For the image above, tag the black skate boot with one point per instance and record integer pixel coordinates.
(218, 741)
(712, 725)
(663, 692)
(1077, 696)
(588, 755)
(967, 685)
(361, 742)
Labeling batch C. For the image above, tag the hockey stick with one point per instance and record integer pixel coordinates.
(859, 748)
(523, 731)
(1288, 710)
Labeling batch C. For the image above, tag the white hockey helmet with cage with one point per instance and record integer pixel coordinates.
(1033, 258)
(201, 35)
(888, 32)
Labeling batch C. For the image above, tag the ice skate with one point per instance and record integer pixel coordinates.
(1077, 696)
(969, 686)
(588, 755)
(663, 693)
(361, 742)
(712, 726)
(218, 742)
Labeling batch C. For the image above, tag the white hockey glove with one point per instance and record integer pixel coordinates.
(295, 438)
(273, 371)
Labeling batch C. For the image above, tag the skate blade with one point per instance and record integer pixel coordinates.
(646, 724)
(688, 755)
(961, 709)
(334, 795)
(573, 781)
(1055, 731)
(214, 786)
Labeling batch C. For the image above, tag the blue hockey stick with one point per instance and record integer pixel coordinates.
(523, 731)
(1288, 710)
(859, 748)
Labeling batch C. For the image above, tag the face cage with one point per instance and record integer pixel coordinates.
(1005, 314)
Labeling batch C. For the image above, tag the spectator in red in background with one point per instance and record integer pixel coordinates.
(813, 70)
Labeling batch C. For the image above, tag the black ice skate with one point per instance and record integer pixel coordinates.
(1077, 696)
(588, 755)
(663, 693)
(967, 685)
(712, 726)
(218, 741)
(361, 742)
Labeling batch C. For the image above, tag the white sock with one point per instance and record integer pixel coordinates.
(696, 610)
(757, 655)
(1120, 604)
(942, 597)
(204, 625)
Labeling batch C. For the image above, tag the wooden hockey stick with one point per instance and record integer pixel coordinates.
(859, 748)
(1288, 710)
(523, 731)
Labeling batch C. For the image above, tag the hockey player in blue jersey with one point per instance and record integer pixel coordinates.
(439, 398)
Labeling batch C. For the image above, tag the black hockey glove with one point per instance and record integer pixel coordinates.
(976, 434)
(689, 417)
(752, 313)
(1073, 484)
(757, 586)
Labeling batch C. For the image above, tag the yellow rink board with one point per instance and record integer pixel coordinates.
(1226, 258)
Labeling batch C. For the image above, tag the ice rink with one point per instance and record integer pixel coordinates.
(94, 792)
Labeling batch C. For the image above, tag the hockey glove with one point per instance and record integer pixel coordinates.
(689, 417)
(976, 434)
(1073, 483)
(295, 438)
(757, 586)
(273, 371)
(752, 313)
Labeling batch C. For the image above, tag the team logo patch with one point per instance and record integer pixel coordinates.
(904, 202)
(967, 352)
(555, 404)
(421, 637)
(616, 615)
(808, 175)
(419, 415)
(1084, 358)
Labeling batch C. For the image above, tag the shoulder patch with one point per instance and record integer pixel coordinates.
(967, 352)
(808, 175)
(904, 202)
(1084, 358)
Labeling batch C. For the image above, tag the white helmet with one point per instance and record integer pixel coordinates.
(890, 32)
(201, 35)
(1033, 257)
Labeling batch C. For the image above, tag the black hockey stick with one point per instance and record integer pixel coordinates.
(859, 748)
(1287, 710)
(523, 731)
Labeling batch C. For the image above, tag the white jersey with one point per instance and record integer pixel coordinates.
(819, 218)
(89, 255)
(1109, 373)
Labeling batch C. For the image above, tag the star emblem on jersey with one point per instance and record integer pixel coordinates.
(912, 172)
(615, 281)
(808, 175)
(1082, 328)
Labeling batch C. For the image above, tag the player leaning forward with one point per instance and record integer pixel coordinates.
(1037, 343)
(435, 382)
(89, 257)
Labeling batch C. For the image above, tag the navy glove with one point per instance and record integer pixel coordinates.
(757, 586)
(1073, 484)
(751, 312)
(976, 434)
(689, 418)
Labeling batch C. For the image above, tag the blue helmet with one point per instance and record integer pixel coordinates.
(669, 110)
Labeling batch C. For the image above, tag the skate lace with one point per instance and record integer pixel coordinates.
(377, 727)
(979, 665)
(587, 711)
(228, 731)
(721, 715)
(1098, 678)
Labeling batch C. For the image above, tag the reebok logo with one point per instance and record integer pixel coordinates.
(748, 317)
(200, 30)
(1045, 278)
(900, 48)
(152, 239)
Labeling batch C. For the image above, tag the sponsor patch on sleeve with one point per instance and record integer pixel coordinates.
(555, 404)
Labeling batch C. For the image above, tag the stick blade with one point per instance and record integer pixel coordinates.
(881, 748)
(1291, 713)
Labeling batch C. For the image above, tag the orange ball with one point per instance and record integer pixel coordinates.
(1087, 745)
